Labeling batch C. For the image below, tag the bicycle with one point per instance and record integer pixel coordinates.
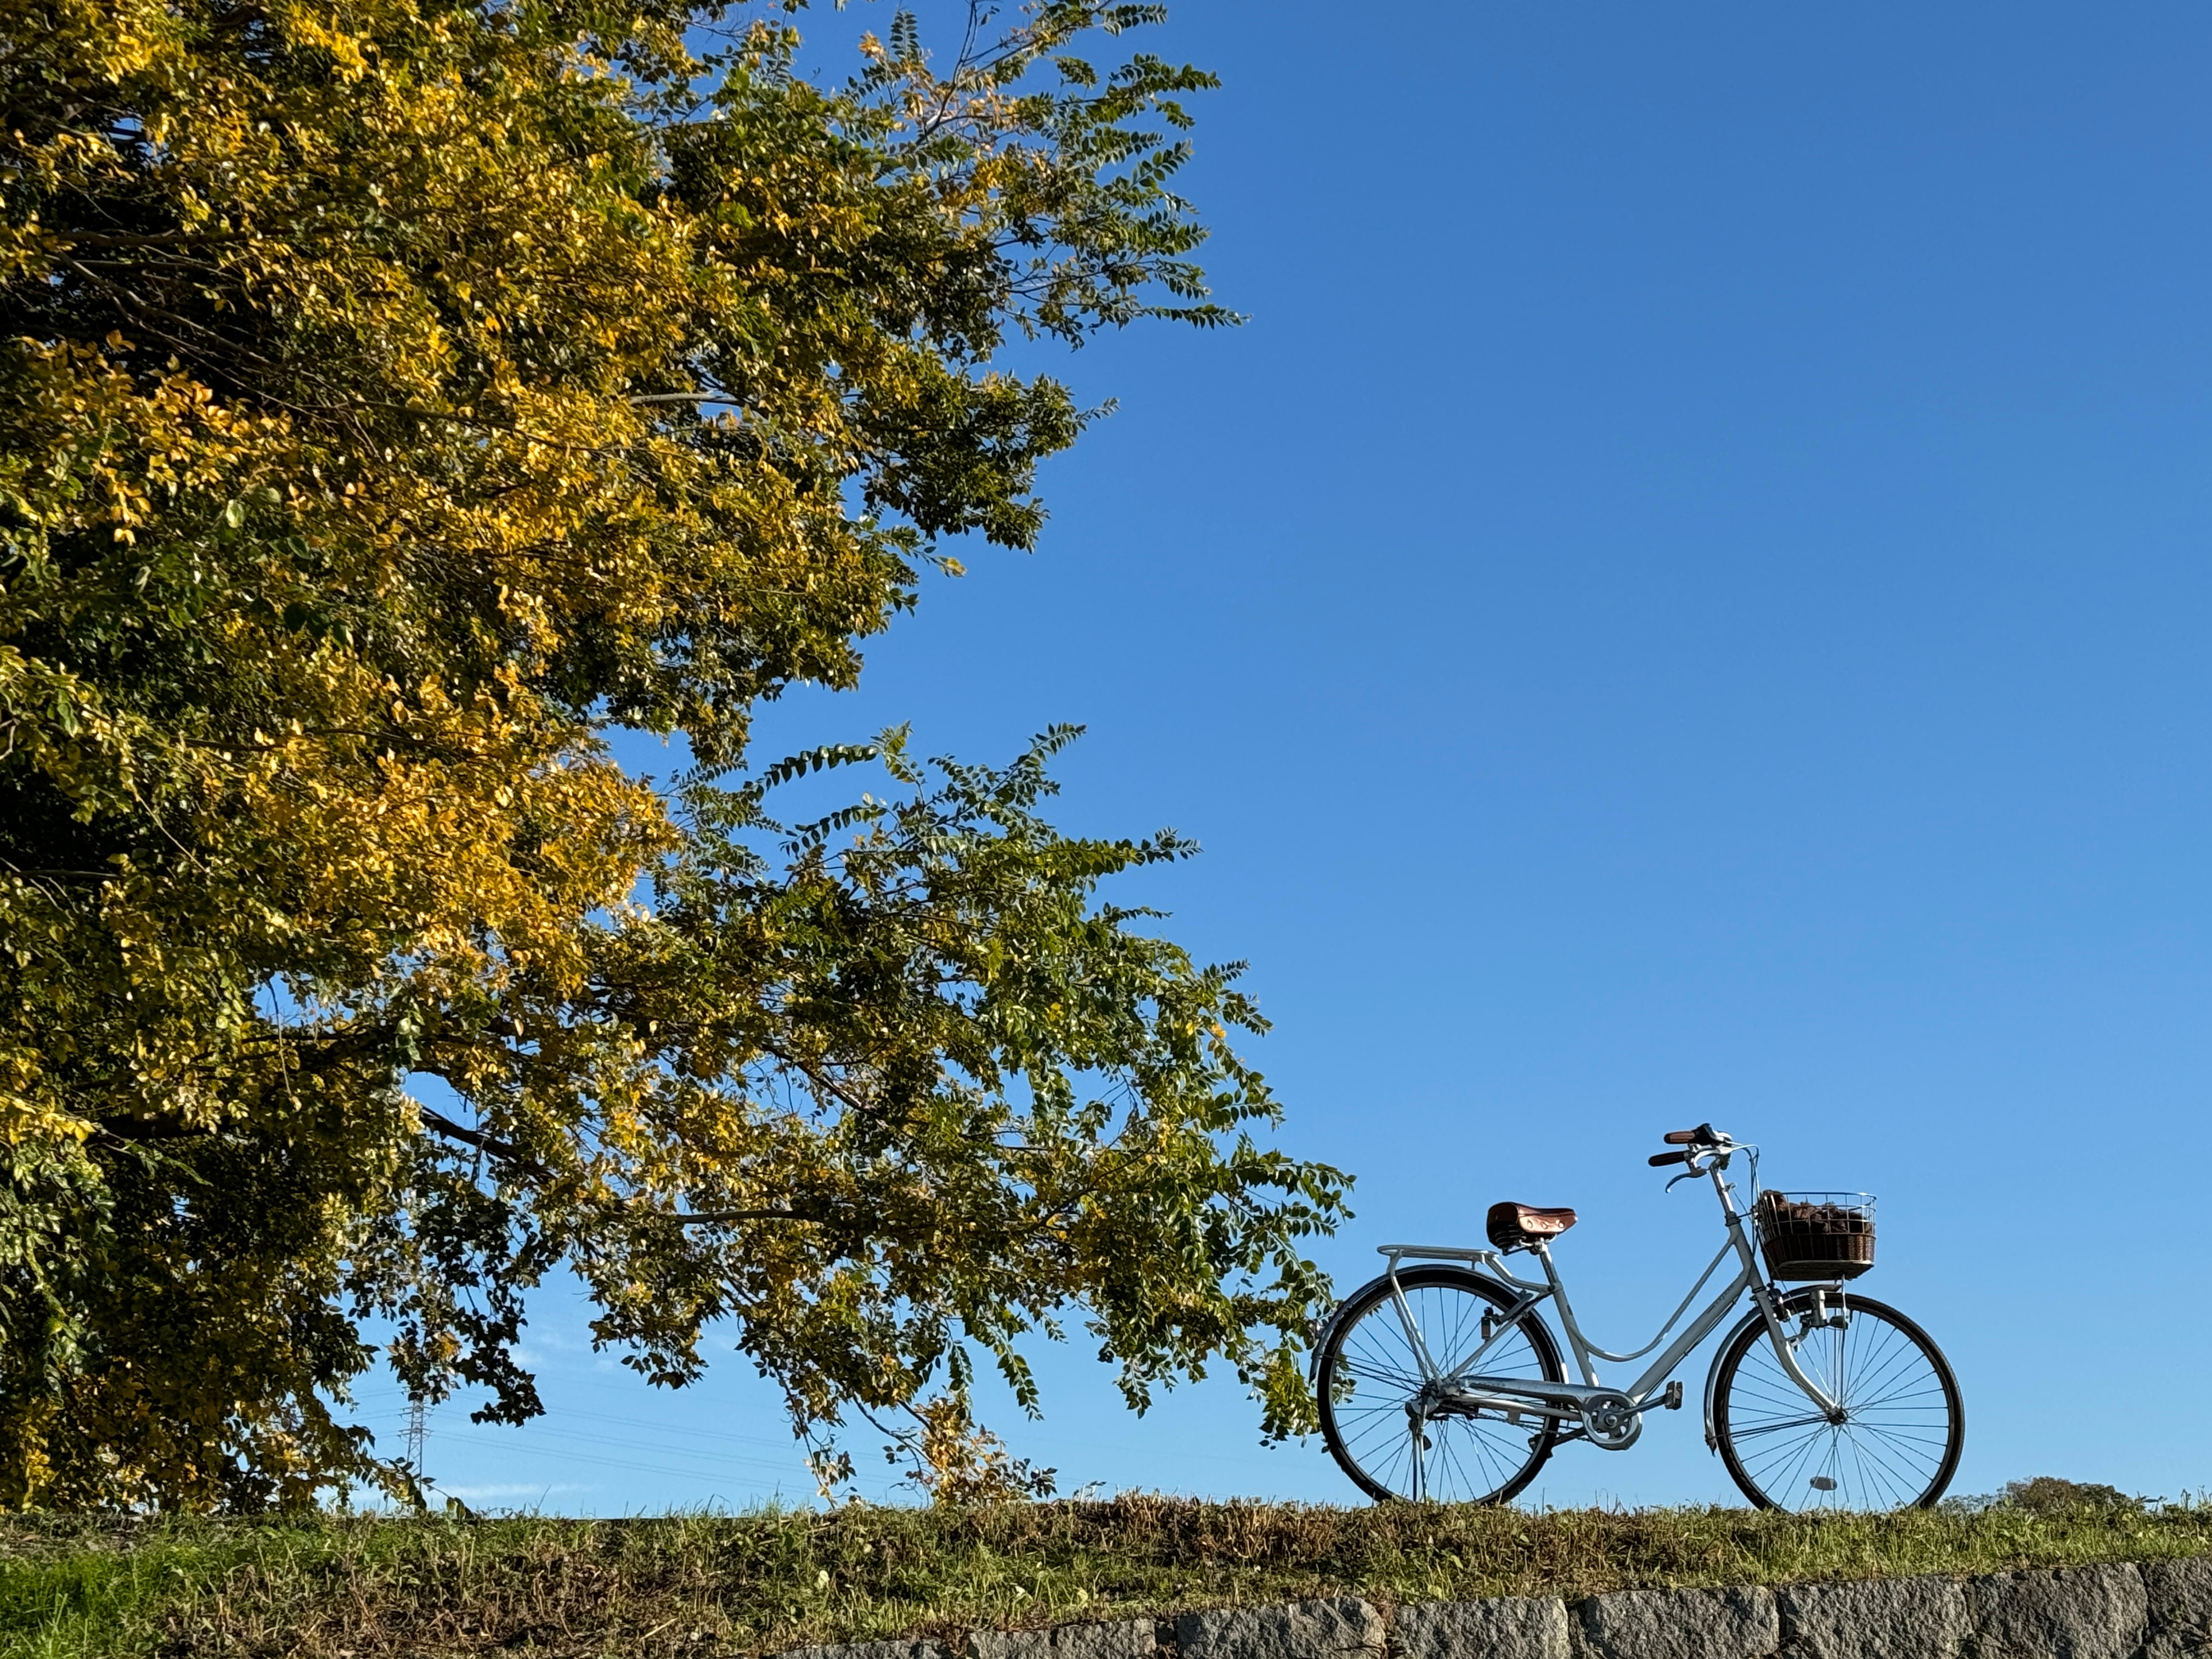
(1436, 1382)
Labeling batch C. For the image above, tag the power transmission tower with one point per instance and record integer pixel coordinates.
(417, 1437)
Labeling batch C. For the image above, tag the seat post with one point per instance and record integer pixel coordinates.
(1543, 1254)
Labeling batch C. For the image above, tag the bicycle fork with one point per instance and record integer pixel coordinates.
(1769, 1304)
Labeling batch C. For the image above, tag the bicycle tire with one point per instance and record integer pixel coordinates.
(1466, 1457)
(1900, 1454)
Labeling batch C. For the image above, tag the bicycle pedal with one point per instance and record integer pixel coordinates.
(1672, 1398)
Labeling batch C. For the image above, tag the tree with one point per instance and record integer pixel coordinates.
(399, 395)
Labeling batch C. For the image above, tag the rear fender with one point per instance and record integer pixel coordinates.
(1326, 1328)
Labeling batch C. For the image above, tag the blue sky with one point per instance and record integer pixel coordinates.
(1686, 600)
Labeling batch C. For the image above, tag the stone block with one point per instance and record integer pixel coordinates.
(2179, 1597)
(1123, 1638)
(1507, 1627)
(1343, 1627)
(1721, 1624)
(1875, 1619)
(874, 1650)
(2071, 1612)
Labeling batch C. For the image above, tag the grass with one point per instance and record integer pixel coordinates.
(350, 1587)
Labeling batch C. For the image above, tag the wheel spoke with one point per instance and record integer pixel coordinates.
(1781, 1423)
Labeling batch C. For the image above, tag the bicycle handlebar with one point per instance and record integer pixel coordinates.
(1702, 1135)
(1661, 1159)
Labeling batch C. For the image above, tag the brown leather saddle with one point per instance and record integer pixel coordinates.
(1516, 1226)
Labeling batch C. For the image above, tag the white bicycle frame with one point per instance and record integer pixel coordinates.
(1608, 1417)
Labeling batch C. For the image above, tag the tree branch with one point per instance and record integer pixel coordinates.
(709, 1218)
(491, 1145)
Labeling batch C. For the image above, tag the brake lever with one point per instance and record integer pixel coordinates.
(1687, 1174)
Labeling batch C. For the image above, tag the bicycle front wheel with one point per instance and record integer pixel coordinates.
(1894, 1440)
(1386, 1422)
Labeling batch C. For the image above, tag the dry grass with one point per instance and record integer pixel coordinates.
(351, 1587)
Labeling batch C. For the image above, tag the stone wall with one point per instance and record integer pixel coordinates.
(2159, 1610)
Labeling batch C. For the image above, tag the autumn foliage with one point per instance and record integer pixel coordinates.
(397, 396)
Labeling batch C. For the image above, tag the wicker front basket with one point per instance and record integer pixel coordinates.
(1823, 1236)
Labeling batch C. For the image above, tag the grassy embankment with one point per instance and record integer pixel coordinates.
(694, 1585)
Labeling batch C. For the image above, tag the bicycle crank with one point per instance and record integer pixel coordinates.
(1611, 1421)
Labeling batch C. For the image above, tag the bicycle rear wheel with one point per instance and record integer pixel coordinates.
(1374, 1414)
(1903, 1424)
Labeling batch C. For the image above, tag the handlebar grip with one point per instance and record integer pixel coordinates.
(1702, 1135)
(1658, 1159)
